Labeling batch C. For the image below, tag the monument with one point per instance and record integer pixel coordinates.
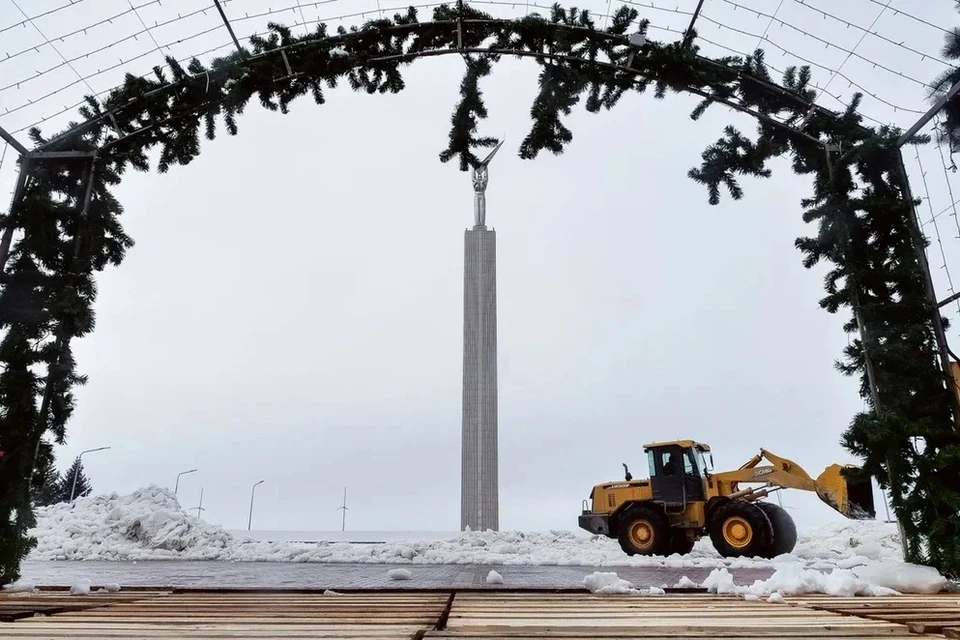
(479, 492)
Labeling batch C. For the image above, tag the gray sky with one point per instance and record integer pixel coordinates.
(292, 309)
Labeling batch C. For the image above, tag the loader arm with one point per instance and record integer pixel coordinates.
(852, 498)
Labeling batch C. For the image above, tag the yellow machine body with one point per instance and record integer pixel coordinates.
(686, 497)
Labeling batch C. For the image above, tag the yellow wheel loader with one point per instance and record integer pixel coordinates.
(683, 500)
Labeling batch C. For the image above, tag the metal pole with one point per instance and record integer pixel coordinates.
(76, 472)
(13, 142)
(688, 34)
(343, 522)
(925, 118)
(250, 517)
(868, 364)
(17, 196)
(229, 28)
(943, 350)
(200, 506)
(177, 485)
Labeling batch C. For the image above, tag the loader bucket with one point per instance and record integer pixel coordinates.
(851, 496)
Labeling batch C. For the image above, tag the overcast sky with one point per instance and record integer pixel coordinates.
(292, 309)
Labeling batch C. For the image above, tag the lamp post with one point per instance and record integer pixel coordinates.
(200, 506)
(177, 485)
(250, 518)
(343, 523)
(76, 472)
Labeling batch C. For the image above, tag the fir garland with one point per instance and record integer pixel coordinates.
(859, 203)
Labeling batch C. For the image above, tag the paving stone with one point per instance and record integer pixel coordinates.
(291, 575)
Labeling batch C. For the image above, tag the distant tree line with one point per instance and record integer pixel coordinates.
(52, 487)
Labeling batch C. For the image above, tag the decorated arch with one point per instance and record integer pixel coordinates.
(64, 224)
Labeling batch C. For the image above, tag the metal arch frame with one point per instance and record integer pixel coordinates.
(50, 148)
(455, 26)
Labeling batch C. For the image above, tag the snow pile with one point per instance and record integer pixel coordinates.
(494, 578)
(875, 580)
(82, 588)
(399, 574)
(904, 577)
(111, 587)
(686, 583)
(147, 524)
(20, 586)
(609, 583)
(847, 557)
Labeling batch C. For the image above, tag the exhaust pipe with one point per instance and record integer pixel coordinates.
(846, 491)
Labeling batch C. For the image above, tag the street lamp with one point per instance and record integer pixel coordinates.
(177, 485)
(77, 470)
(250, 519)
(200, 506)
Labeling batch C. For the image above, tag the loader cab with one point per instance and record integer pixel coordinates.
(678, 471)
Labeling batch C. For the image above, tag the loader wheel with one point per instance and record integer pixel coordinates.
(739, 528)
(681, 543)
(784, 529)
(643, 531)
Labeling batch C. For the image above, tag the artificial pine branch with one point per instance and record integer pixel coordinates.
(468, 112)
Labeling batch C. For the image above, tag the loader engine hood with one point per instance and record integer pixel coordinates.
(851, 496)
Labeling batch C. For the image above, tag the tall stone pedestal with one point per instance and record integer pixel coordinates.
(479, 493)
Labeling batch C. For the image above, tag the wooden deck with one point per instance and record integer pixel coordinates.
(156, 615)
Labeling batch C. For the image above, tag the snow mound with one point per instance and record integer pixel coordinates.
(330, 592)
(903, 577)
(146, 524)
(793, 579)
(776, 598)
(399, 574)
(686, 583)
(848, 557)
(82, 588)
(111, 587)
(606, 583)
(494, 578)
(21, 586)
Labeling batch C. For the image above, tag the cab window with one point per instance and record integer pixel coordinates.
(689, 464)
(651, 460)
(669, 462)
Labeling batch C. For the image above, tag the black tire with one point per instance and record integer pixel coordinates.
(681, 543)
(739, 528)
(644, 531)
(784, 529)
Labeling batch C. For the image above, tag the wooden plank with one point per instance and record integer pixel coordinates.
(586, 616)
(222, 615)
(624, 635)
(145, 631)
(252, 619)
(924, 614)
